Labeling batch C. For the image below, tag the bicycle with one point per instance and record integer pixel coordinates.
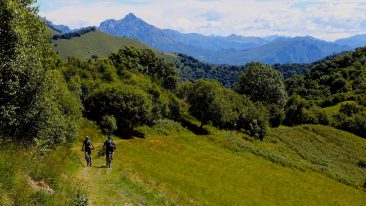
(109, 160)
(88, 159)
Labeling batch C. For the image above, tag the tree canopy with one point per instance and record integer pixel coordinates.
(262, 83)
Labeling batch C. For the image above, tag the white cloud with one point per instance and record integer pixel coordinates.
(329, 19)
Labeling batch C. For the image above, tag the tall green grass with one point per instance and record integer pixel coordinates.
(27, 178)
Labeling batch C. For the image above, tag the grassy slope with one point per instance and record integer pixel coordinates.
(93, 43)
(52, 31)
(304, 165)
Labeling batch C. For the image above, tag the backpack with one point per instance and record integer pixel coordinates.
(110, 144)
(88, 143)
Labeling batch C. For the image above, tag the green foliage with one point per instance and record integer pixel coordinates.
(164, 127)
(146, 62)
(175, 109)
(23, 45)
(109, 124)
(59, 114)
(93, 43)
(276, 115)
(254, 120)
(26, 178)
(81, 199)
(35, 104)
(262, 83)
(77, 33)
(350, 109)
(301, 111)
(191, 69)
(211, 102)
(336, 82)
(130, 106)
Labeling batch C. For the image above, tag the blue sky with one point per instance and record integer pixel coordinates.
(326, 19)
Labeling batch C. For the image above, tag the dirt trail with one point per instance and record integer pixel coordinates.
(100, 182)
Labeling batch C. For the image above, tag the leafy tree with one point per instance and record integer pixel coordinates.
(147, 62)
(35, 104)
(58, 113)
(262, 83)
(201, 99)
(224, 108)
(129, 105)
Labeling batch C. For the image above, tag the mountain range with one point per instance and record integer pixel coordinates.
(233, 49)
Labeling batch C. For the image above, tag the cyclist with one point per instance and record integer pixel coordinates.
(87, 147)
(110, 146)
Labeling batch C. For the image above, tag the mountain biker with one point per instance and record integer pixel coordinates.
(87, 146)
(110, 146)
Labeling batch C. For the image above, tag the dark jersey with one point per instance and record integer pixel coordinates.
(110, 145)
(87, 145)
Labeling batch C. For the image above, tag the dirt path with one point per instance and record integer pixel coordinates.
(100, 183)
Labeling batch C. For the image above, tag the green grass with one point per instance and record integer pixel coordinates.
(93, 43)
(335, 109)
(26, 178)
(52, 31)
(304, 165)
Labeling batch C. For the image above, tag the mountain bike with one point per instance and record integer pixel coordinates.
(109, 160)
(88, 159)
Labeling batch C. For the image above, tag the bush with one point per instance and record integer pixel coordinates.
(81, 199)
(276, 115)
(164, 127)
(350, 109)
(129, 105)
(254, 121)
(109, 124)
(60, 112)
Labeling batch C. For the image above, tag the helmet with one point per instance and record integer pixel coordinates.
(110, 137)
(87, 137)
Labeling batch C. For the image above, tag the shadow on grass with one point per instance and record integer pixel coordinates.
(194, 128)
(132, 134)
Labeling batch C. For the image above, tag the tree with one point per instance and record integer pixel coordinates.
(129, 105)
(262, 83)
(35, 103)
(201, 99)
(24, 53)
(224, 108)
(147, 62)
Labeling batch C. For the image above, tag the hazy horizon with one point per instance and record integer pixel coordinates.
(326, 19)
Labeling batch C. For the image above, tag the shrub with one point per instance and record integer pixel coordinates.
(350, 109)
(109, 124)
(130, 106)
(276, 115)
(81, 199)
(254, 121)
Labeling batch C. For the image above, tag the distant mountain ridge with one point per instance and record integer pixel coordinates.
(358, 40)
(233, 49)
(59, 28)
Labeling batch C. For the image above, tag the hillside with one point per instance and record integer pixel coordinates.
(93, 43)
(304, 165)
(224, 169)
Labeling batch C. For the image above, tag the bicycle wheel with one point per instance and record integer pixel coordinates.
(109, 160)
(88, 159)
